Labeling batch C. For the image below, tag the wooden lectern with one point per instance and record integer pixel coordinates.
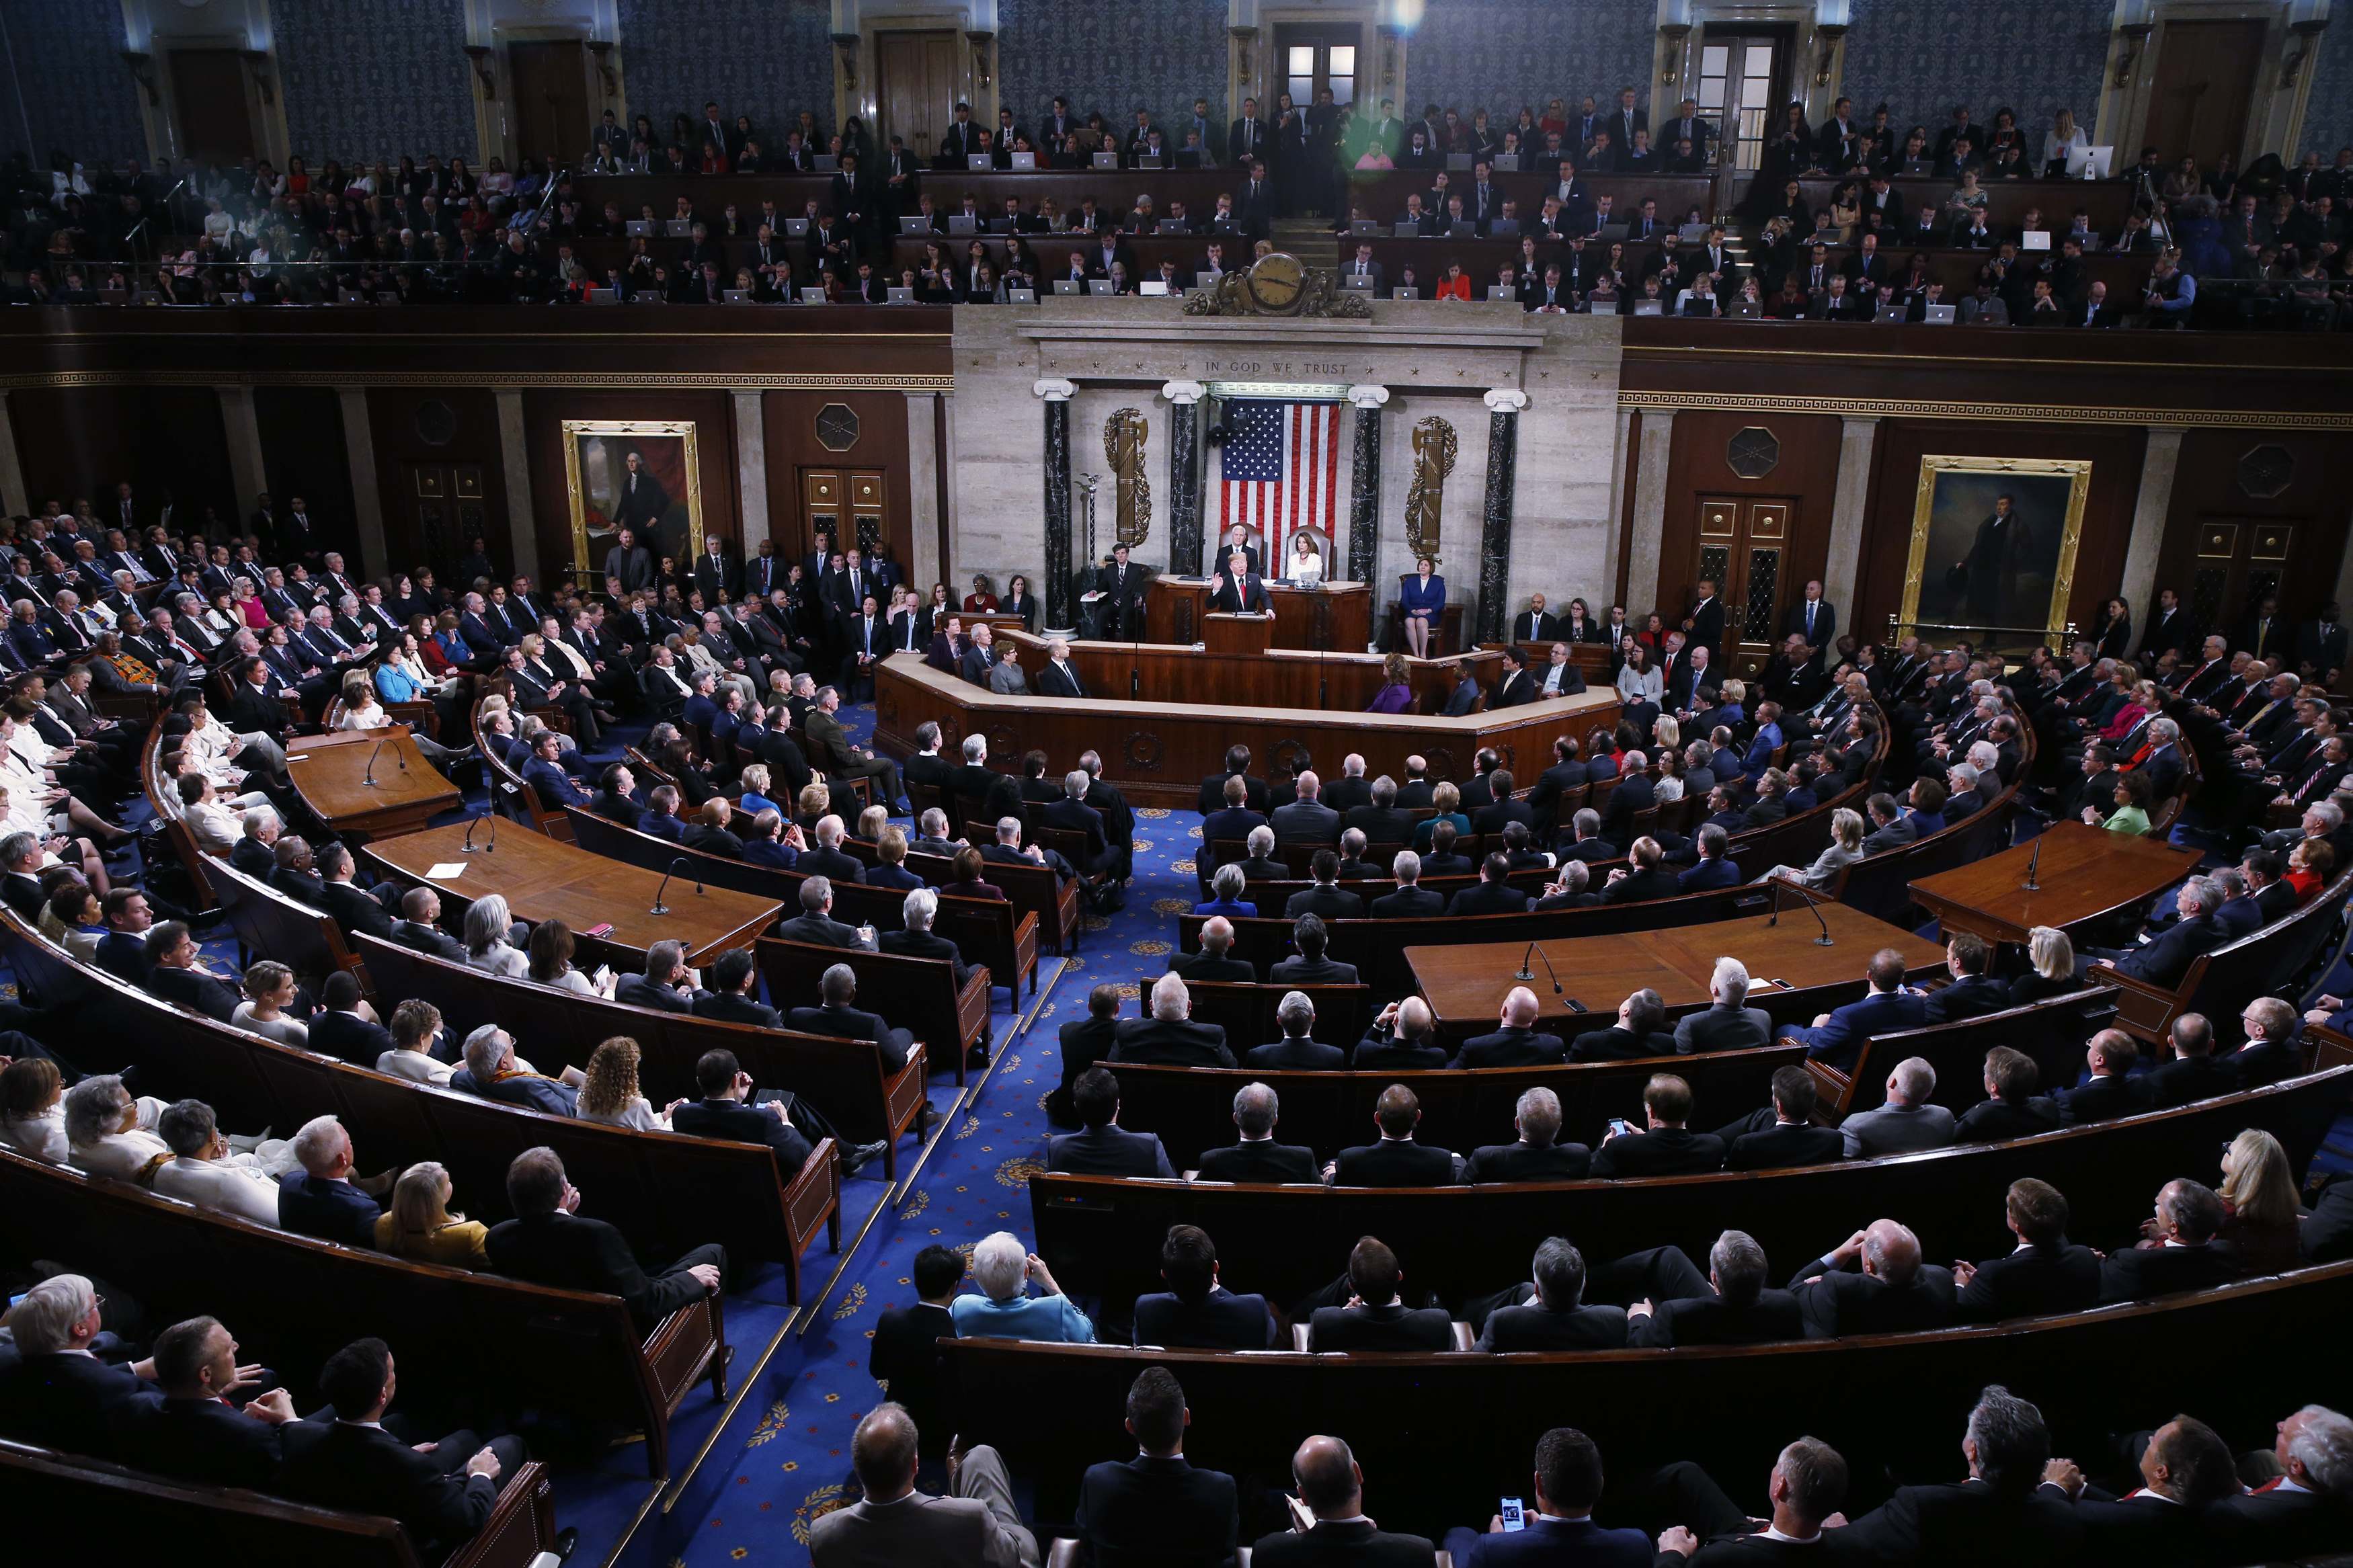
(1224, 633)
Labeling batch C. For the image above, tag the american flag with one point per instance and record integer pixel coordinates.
(1280, 469)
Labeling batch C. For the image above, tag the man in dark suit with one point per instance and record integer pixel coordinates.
(1306, 819)
(1379, 819)
(1196, 1312)
(1169, 1036)
(1645, 876)
(1734, 1306)
(1102, 1148)
(2184, 1255)
(1122, 584)
(175, 972)
(1213, 796)
(1664, 1147)
(1397, 1160)
(1835, 1037)
(2165, 959)
(1465, 696)
(904, 1352)
(1492, 893)
(1535, 1155)
(442, 1493)
(1515, 1042)
(1633, 794)
(1332, 1489)
(56, 1394)
(1703, 627)
(1560, 1531)
(548, 1243)
(1156, 1507)
(1215, 961)
(338, 1031)
(1256, 1156)
(1411, 899)
(915, 939)
(353, 908)
(1728, 1023)
(2194, 1073)
(1782, 1134)
(2000, 1514)
(2112, 1089)
(194, 1433)
(2298, 1514)
(1813, 619)
(1872, 1283)
(837, 989)
(1377, 1320)
(1085, 1041)
(1549, 1312)
(1639, 1030)
(1973, 993)
(2044, 1274)
(1297, 1049)
(814, 924)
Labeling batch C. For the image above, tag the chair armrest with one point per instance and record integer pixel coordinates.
(1062, 1553)
(521, 1525)
(1834, 1086)
(2329, 1048)
(1299, 1337)
(1463, 1339)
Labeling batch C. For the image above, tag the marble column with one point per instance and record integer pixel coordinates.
(1364, 484)
(12, 499)
(1503, 405)
(1185, 475)
(1056, 394)
(1658, 431)
(2138, 587)
(751, 471)
(367, 499)
(247, 472)
(1850, 501)
(924, 488)
(514, 458)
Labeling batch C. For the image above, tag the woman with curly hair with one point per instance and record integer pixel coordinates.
(611, 1094)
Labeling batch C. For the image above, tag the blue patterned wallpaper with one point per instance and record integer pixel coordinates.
(1470, 54)
(769, 60)
(376, 79)
(2329, 112)
(1116, 58)
(1922, 57)
(65, 76)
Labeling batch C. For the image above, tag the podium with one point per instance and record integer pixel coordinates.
(1225, 633)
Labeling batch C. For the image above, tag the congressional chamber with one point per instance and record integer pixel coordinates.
(1383, 785)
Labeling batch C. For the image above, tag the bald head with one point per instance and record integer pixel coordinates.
(1519, 1008)
(1330, 1484)
(1891, 1252)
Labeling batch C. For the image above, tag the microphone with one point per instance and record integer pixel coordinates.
(1527, 974)
(368, 777)
(662, 909)
(2032, 861)
(1823, 939)
(468, 847)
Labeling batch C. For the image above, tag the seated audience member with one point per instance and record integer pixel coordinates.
(1732, 1306)
(904, 1352)
(1974, 993)
(492, 1072)
(1310, 967)
(321, 1199)
(1836, 1036)
(1560, 1513)
(2180, 1249)
(1168, 1036)
(1229, 882)
(893, 1523)
(2111, 1087)
(1255, 1156)
(2002, 1513)
(2193, 1074)
(1906, 1122)
(1782, 1135)
(1727, 1023)
(550, 1242)
(834, 1016)
(2301, 1513)
(1104, 1148)
(441, 1492)
(194, 1433)
(1215, 961)
(1535, 1155)
(1085, 1041)
(2167, 957)
(2050, 959)
(1003, 1310)
(2261, 1214)
(1196, 1312)
(176, 973)
(1874, 1283)
(2012, 1109)
(1402, 1037)
(56, 1393)
(732, 1109)
(1377, 1319)
(1397, 1160)
(1330, 1488)
(420, 1226)
(1156, 1508)
(1549, 1313)
(1515, 1042)
(202, 1170)
(814, 924)
(2274, 1050)
(1640, 1030)
(1663, 1146)
(2044, 1274)
(1808, 1483)
(1297, 1049)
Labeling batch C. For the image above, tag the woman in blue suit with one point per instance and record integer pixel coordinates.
(1423, 599)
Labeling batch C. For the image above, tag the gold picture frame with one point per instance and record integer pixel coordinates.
(595, 456)
(1947, 585)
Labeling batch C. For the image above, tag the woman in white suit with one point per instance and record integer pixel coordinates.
(1306, 559)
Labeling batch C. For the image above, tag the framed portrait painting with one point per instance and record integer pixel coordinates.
(1993, 547)
(642, 475)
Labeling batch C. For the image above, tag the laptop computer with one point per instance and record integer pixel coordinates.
(1461, 228)
(1609, 233)
(2034, 240)
(796, 228)
(1913, 166)
(1106, 159)
(354, 297)
(1743, 309)
(1172, 226)
(736, 296)
(1152, 288)
(1024, 160)
(1405, 292)
(1147, 162)
(1206, 279)
(1014, 296)
(1889, 310)
(1499, 295)
(915, 226)
(1503, 228)
(1504, 164)
(640, 228)
(898, 296)
(604, 296)
(1650, 307)
(963, 223)
(1941, 315)
(1101, 286)
(680, 228)
(1458, 162)
(1365, 226)
(1692, 234)
(1407, 230)
(1066, 285)
(1361, 285)
(825, 163)
(812, 296)
(979, 162)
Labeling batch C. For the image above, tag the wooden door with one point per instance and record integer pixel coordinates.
(208, 100)
(848, 507)
(1744, 549)
(2239, 564)
(2205, 84)
(550, 84)
(1743, 87)
(1314, 58)
(916, 87)
(445, 511)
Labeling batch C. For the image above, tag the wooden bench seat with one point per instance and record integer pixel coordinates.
(2052, 1031)
(918, 994)
(2267, 961)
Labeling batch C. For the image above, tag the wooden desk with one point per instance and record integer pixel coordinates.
(543, 879)
(1228, 634)
(1465, 986)
(2085, 873)
(327, 771)
(1275, 677)
(1337, 619)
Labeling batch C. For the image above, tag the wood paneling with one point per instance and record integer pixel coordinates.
(2207, 487)
(437, 433)
(302, 454)
(2115, 453)
(1805, 477)
(167, 441)
(2205, 81)
(789, 421)
(713, 416)
(550, 87)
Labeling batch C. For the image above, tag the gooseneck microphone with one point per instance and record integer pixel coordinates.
(660, 908)
(1527, 972)
(2032, 861)
(367, 776)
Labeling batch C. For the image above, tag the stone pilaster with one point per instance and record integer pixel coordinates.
(1365, 483)
(1056, 394)
(1185, 475)
(1503, 405)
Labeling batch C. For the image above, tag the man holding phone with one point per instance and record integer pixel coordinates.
(1328, 1518)
(1567, 1484)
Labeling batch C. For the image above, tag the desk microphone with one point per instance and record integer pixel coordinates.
(1528, 973)
(662, 909)
(1821, 940)
(367, 776)
(2032, 861)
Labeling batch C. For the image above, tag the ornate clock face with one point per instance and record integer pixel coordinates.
(1275, 281)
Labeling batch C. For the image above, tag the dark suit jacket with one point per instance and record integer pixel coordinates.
(740, 1124)
(1179, 1044)
(1156, 1512)
(199, 1440)
(349, 1037)
(1512, 1048)
(1342, 1544)
(2185, 1078)
(1712, 1320)
(1723, 1028)
(1395, 1327)
(2136, 1273)
(71, 1402)
(1842, 1302)
(1328, 903)
(1307, 1054)
(365, 1469)
(1662, 1152)
(905, 1354)
(1109, 1151)
(1221, 1320)
(1971, 1524)
(356, 911)
(331, 1211)
(1395, 1163)
(1406, 903)
(2032, 1281)
(1263, 1161)
(572, 1252)
(1972, 998)
(1530, 1162)
(2103, 1098)
(1484, 898)
(1638, 886)
(1779, 1146)
(851, 1023)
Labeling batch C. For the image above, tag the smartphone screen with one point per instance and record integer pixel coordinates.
(1513, 1518)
